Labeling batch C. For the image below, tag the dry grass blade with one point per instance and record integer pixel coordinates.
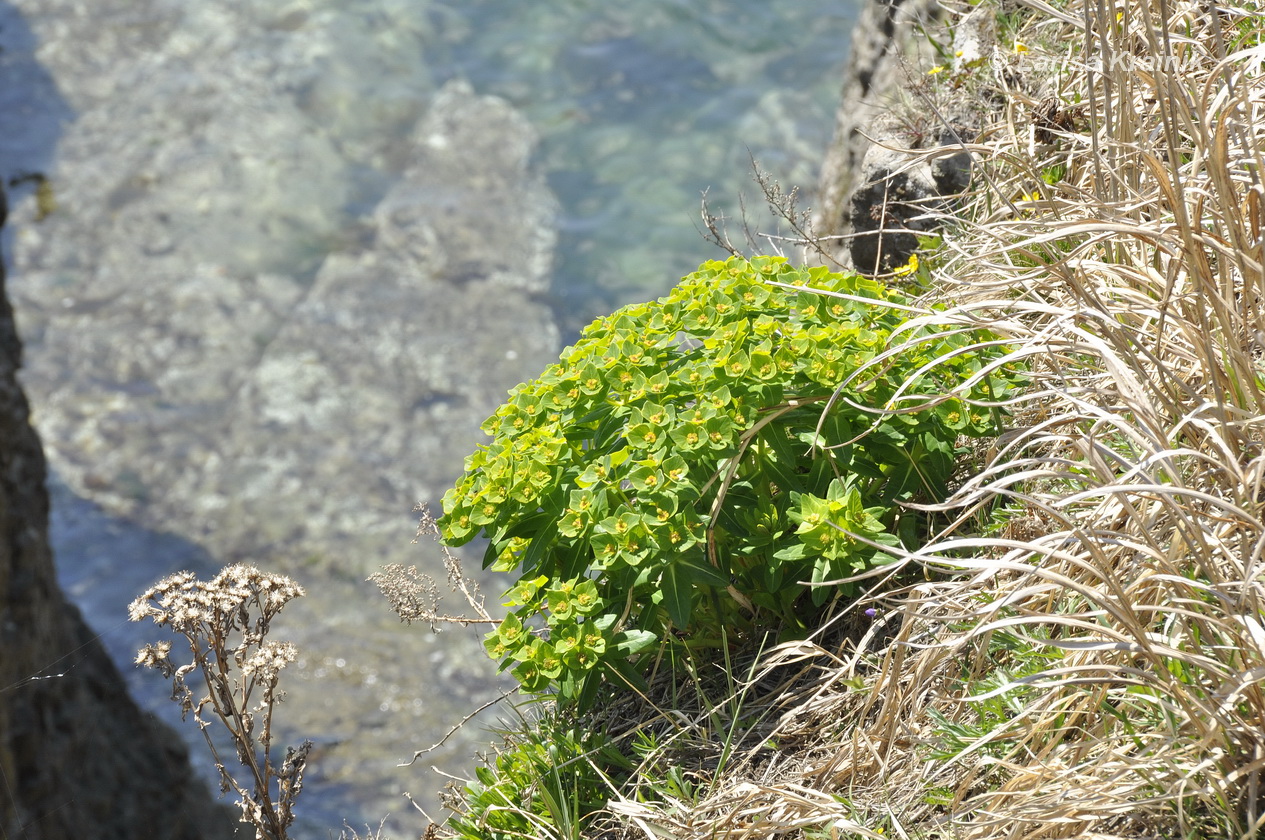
(1120, 647)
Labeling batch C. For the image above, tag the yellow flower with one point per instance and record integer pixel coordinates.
(909, 267)
(1033, 196)
(1020, 47)
(937, 69)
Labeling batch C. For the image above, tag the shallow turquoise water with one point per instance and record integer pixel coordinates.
(644, 106)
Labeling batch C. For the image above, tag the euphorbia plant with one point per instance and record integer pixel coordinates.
(691, 462)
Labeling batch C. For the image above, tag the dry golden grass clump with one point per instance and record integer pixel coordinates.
(1080, 652)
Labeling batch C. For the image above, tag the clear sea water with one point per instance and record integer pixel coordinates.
(641, 107)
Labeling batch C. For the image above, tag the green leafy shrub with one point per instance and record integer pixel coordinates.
(691, 461)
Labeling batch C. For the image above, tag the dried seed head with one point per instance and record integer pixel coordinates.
(187, 603)
(156, 656)
(226, 622)
(140, 608)
(266, 662)
(413, 596)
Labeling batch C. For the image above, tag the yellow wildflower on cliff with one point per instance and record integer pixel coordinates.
(909, 267)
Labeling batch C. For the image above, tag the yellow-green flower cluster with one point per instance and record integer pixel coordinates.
(667, 452)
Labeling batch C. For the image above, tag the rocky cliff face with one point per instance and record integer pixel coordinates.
(879, 188)
(78, 759)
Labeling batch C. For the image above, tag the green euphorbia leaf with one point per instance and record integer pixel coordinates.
(634, 641)
(678, 593)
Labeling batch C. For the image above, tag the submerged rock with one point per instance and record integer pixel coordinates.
(220, 346)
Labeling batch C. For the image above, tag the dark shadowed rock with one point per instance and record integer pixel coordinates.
(902, 192)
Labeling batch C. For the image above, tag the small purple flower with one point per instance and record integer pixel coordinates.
(871, 612)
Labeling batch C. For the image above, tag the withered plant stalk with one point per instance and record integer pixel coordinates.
(226, 622)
